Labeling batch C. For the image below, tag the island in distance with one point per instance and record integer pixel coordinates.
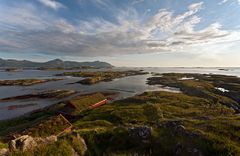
(11, 64)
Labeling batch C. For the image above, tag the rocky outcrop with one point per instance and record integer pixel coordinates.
(46, 140)
(181, 149)
(22, 143)
(179, 129)
(81, 142)
(142, 132)
(26, 142)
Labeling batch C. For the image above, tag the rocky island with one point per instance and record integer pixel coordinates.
(100, 76)
(25, 82)
(41, 95)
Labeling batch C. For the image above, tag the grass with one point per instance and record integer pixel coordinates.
(216, 125)
(51, 126)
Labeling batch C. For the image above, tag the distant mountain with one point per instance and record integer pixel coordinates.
(57, 63)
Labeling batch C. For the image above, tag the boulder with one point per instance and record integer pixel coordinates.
(22, 143)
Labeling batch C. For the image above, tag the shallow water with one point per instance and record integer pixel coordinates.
(126, 87)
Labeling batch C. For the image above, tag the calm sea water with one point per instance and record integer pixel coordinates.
(126, 87)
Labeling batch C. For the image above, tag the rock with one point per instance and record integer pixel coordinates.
(46, 140)
(83, 145)
(180, 130)
(82, 141)
(181, 149)
(177, 126)
(170, 124)
(22, 143)
(143, 132)
(178, 148)
(4, 152)
(51, 138)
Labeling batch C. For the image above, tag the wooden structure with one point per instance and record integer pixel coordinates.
(82, 103)
(66, 130)
(55, 125)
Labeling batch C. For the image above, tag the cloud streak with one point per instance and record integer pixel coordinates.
(225, 1)
(52, 4)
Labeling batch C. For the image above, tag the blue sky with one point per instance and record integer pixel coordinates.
(124, 33)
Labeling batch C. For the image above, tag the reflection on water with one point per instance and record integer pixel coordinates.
(126, 87)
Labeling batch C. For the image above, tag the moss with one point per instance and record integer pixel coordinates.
(3, 145)
(51, 126)
(89, 124)
(19, 124)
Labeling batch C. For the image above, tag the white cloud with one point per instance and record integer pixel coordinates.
(137, 2)
(52, 4)
(222, 2)
(225, 1)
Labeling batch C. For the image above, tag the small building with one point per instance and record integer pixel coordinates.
(55, 125)
(82, 103)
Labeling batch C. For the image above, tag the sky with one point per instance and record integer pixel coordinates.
(146, 33)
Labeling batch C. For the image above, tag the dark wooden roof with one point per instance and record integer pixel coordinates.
(83, 102)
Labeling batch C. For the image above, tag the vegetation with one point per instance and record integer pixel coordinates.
(208, 128)
(51, 126)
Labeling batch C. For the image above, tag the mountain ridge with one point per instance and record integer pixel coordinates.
(56, 63)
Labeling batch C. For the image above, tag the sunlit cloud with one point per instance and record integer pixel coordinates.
(52, 4)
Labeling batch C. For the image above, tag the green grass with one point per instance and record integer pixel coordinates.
(216, 123)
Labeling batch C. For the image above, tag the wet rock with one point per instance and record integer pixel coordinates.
(143, 132)
(22, 143)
